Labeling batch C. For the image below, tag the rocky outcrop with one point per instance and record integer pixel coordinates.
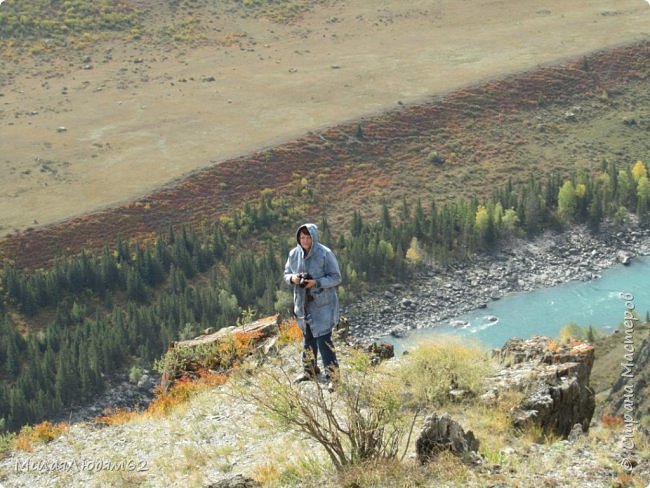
(441, 433)
(555, 380)
(262, 334)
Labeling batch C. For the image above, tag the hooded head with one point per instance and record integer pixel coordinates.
(313, 233)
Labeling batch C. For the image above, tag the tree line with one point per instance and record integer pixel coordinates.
(65, 329)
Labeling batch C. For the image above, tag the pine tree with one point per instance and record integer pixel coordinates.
(12, 359)
(386, 221)
(595, 212)
(357, 224)
(135, 288)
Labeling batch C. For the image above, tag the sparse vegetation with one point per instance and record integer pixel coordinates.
(279, 10)
(41, 26)
(182, 390)
(42, 433)
(292, 459)
(573, 331)
(363, 422)
(36, 20)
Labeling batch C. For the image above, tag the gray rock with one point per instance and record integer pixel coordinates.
(237, 481)
(557, 377)
(576, 433)
(624, 257)
(443, 434)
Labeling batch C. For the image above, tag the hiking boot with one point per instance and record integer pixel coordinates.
(332, 379)
(308, 375)
(305, 377)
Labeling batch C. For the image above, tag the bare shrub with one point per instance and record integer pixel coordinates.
(361, 421)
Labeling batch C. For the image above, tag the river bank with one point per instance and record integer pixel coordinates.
(437, 294)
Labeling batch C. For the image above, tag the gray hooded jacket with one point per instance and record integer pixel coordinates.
(322, 265)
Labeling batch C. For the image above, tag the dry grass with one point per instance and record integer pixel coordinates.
(165, 402)
(491, 423)
(291, 465)
(42, 433)
(436, 367)
(117, 415)
(388, 474)
(182, 391)
(289, 332)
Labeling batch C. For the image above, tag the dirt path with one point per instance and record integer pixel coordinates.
(137, 119)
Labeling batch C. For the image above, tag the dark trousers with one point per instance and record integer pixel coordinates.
(324, 344)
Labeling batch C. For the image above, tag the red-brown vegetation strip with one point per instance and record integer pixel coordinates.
(351, 166)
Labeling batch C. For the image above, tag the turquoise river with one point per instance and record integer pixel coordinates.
(600, 302)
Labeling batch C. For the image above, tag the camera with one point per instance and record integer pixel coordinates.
(304, 277)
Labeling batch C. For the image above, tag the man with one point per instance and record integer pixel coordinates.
(313, 271)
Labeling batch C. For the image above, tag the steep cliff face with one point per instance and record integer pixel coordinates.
(555, 380)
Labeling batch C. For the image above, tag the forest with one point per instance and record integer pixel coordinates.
(65, 329)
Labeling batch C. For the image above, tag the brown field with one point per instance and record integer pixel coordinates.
(139, 118)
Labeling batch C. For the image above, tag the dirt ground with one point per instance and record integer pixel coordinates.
(76, 137)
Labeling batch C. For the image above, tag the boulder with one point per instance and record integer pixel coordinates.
(261, 329)
(342, 329)
(381, 351)
(237, 481)
(623, 257)
(556, 379)
(442, 433)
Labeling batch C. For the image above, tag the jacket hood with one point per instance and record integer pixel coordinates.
(313, 232)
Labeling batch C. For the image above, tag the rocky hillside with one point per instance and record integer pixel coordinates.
(522, 419)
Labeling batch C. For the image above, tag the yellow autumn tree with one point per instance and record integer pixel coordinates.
(481, 221)
(510, 220)
(414, 254)
(639, 171)
(567, 202)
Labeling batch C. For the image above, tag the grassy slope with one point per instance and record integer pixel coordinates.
(483, 145)
(511, 128)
